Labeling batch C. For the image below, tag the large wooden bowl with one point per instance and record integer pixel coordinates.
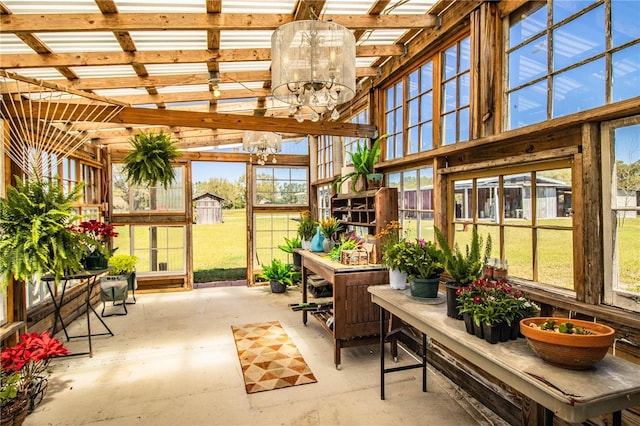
(572, 351)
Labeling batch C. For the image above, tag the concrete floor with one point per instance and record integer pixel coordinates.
(173, 361)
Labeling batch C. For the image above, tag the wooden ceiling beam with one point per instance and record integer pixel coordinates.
(29, 60)
(38, 23)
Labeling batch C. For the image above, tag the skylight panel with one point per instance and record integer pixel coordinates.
(105, 71)
(39, 73)
(245, 66)
(10, 43)
(378, 37)
(366, 62)
(350, 7)
(159, 6)
(80, 42)
(169, 40)
(51, 6)
(112, 93)
(412, 7)
(182, 89)
(164, 69)
(244, 85)
(178, 105)
(249, 39)
(264, 6)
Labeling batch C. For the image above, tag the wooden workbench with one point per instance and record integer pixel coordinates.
(355, 317)
(575, 396)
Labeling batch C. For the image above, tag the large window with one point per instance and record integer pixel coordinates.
(420, 109)
(270, 229)
(569, 56)
(281, 186)
(325, 157)
(415, 201)
(528, 212)
(621, 195)
(350, 142)
(427, 125)
(127, 199)
(158, 248)
(456, 93)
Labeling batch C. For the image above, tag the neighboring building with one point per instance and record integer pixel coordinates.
(208, 209)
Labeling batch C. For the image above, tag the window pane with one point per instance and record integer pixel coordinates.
(449, 68)
(565, 8)
(555, 258)
(626, 73)
(465, 56)
(528, 105)
(426, 136)
(465, 90)
(579, 89)
(270, 230)
(426, 106)
(399, 94)
(484, 232)
(413, 112)
(414, 139)
(463, 131)
(626, 179)
(413, 84)
(449, 96)
(625, 16)
(390, 98)
(518, 252)
(517, 198)
(426, 77)
(527, 22)
(462, 197)
(487, 199)
(281, 186)
(579, 39)
(554, 197)
(528, 63)
(449, 128)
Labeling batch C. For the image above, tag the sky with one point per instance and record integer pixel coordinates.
(204, 170)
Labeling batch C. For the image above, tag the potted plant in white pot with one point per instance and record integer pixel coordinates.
(307, 228)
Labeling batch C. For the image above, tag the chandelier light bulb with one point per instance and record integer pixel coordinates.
(315, 116)
(216, 92)
(299, 117)
(335, 114)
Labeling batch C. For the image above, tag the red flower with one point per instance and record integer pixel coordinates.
(477, 299)
(100, 231)
(32, 348)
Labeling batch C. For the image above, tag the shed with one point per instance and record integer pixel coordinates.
(208, 209)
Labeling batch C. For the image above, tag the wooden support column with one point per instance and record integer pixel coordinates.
(249, 210)
(486, 69)
(443, 215)
(588, 240)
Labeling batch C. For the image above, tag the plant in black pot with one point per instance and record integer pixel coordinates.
(423, 262)
(278, 274)
(290, 246)
(364, 159)
(464, 267)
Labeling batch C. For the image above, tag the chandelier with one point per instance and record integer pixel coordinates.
(313, 64)
(262, 144)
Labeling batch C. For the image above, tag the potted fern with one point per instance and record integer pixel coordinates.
(37, 235)
(149, 163)
(278, 274)
(364, 160)
(464, 267)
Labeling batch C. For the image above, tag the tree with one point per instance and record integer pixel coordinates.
(628, 181)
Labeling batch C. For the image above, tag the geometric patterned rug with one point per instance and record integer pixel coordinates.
(269, 358)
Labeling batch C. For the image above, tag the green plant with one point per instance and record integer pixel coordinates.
(389, 238)
(290, 245)
(277, 271)
(9, 386)
(36, 237)
(465, 267)
(307, 226)
(149, 163)
(420, 259)
(122, 264)
(329, 227)
(363, 160)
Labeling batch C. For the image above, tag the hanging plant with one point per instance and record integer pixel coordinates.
(149, 163)
(37, 237)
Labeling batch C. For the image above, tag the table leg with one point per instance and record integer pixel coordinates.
(382, 337)
(57, 306)
(337, 346)
(305, 273)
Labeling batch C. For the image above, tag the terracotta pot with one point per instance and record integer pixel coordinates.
(572, 351)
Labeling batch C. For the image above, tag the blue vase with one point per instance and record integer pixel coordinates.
(316, 241)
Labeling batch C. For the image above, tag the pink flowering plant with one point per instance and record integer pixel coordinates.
(494, 302)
